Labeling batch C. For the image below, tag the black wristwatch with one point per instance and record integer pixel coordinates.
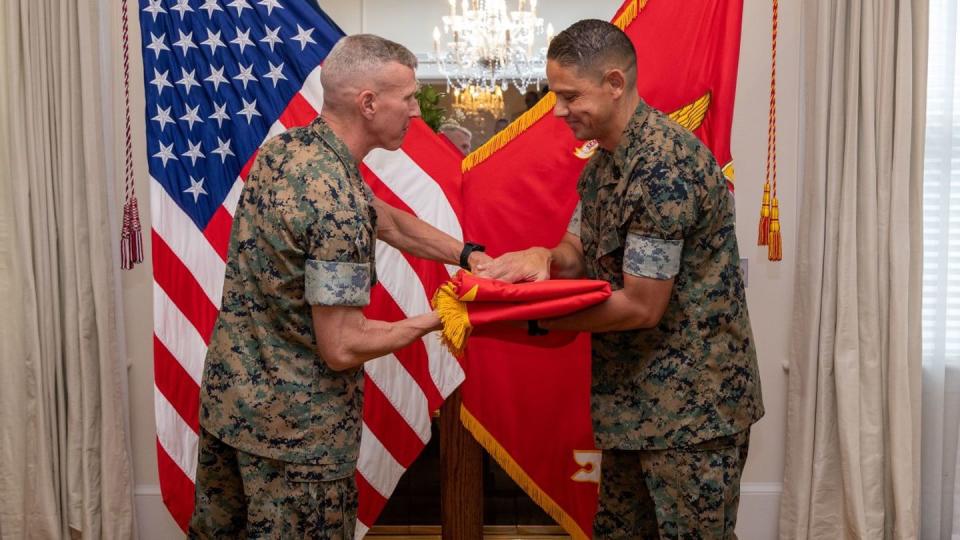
(534, 329)
(468, 248)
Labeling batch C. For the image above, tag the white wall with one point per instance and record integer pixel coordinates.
(770, 288)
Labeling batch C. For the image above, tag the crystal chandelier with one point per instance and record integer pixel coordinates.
(474, 101)
(486, 46)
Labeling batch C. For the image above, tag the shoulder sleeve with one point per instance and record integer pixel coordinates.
(324, 215)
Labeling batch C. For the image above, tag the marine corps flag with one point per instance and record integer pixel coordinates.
(529, 406)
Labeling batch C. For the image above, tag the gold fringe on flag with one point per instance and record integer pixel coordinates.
(629, 14)
(510, 132)
(516, 472)
(453, 314)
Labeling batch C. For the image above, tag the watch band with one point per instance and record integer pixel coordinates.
(468, 248)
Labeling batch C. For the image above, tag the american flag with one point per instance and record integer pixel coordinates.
(221, 77)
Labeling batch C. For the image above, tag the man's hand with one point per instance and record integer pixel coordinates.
(531, 264)
(478, 259)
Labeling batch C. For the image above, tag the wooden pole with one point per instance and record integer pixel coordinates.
(461, 476)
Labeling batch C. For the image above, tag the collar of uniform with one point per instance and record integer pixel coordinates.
(322, 128)
(620, 154)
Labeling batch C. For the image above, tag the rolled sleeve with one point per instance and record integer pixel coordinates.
(649, 257)
(329, 283)
(574, 226)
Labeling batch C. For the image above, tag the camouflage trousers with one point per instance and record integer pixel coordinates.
(240, 495)
(676, 494)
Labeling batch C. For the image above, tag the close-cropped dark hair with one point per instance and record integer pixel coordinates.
(593, 47)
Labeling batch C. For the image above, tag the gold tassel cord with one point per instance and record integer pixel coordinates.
(769, 227)
(764, 229)
(775, 249)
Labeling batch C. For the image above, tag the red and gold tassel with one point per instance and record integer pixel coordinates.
(764, 229)
(775, 247)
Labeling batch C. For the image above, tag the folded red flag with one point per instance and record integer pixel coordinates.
(467, 302)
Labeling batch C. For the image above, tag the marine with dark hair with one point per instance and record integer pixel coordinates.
(675, 383)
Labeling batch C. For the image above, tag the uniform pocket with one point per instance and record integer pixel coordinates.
(326, 500)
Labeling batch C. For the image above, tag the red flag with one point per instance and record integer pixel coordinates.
(467, 301)
(527, 405)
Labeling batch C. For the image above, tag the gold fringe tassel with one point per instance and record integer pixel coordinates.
(775, 249)
(763, 233)
(506, 461)
(453, 315)
(510, 132)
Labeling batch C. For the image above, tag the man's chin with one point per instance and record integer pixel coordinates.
(396, 144)
(580, 133)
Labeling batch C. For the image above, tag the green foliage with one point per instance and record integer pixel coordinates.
(430, 110)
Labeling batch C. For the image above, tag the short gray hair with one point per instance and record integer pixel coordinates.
(361, 55)
(448, 127)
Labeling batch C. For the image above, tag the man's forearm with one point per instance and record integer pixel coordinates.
(617, 313)
(371, 339)
(417, 237)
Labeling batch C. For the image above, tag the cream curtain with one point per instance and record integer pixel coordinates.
(65, 467)
(853, 405)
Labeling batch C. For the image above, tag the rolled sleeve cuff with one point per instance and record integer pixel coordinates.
(652, 257)
(337, 283)
(574, 226)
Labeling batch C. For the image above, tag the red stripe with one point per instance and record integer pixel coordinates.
(371, 502)
(392, 429)
(218, 231)
(246, 167)
(413, 357)
(176, 487)
(298, 113)
(182, 288)
(176, 385)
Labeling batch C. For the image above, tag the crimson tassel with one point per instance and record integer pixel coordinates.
(131, 238)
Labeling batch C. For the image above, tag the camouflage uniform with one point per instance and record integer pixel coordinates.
(672, 405)
(281, 430)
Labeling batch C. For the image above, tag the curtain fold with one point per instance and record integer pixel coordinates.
(853, 404)
(65, 464)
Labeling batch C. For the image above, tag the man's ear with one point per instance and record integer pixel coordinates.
(367, 102)
(616, 81)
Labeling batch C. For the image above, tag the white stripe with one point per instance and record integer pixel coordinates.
(233, 197)
(403, 392)
(177, 334)
(360, 531)
(312, 90)
(176, 437)
(377, 465)
(416, 188)
(187, 241)
(401, 282)
(276, 129)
